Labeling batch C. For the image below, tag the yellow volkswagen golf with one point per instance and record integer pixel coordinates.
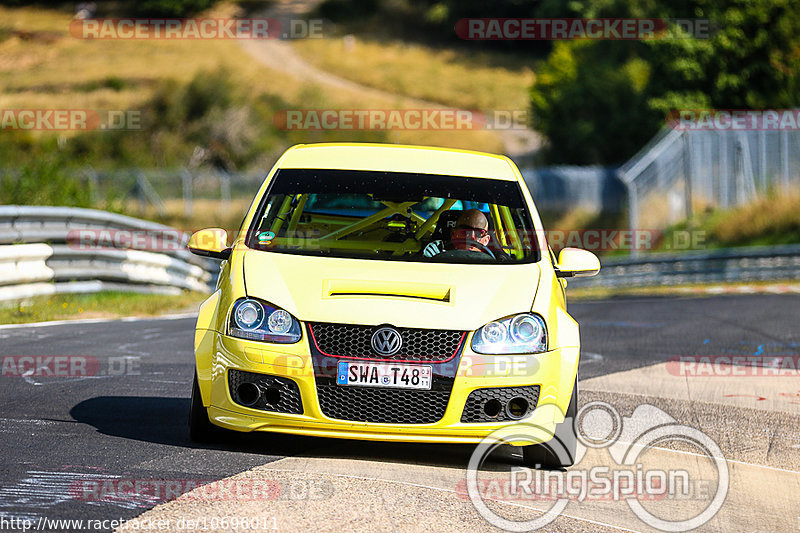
(386, 292)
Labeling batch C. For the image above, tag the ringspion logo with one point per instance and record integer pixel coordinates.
(623, 476)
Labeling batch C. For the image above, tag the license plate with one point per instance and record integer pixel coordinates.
(389, 375)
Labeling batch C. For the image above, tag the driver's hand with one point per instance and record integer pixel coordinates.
(433, 248)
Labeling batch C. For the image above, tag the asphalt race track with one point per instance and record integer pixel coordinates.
(75, 446)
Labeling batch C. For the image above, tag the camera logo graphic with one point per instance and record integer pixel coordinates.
(599, 427)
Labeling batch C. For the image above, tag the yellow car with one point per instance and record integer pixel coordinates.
(394, 293)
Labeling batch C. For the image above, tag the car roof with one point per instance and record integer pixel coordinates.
(399, 158)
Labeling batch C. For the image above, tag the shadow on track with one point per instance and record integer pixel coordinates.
(163, 420)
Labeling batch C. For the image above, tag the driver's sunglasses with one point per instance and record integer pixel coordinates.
(475, 231)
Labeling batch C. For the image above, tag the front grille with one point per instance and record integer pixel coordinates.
(278, 394)
(347, 340)
(383, 406)
(475, 408)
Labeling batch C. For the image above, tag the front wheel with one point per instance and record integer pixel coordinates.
(200, 428)
(558, 452)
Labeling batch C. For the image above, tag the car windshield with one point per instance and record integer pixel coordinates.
(394, 216)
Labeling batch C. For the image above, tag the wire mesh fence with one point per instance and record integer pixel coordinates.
(679, 172)
(172, 190)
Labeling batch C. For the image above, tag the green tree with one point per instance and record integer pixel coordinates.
(600, 101)
(591, 113)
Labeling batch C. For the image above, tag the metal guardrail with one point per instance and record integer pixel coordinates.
(758, 263)
(42, 253)
(34, 224)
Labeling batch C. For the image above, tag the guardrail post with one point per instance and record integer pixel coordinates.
(94, 185)
(724, 173)
(750, 192)
(687, 175)
(762, 148)
(633, 213)
(785, 158)
(225, 189)
(187, 179)
(146, 190)
(141, 199)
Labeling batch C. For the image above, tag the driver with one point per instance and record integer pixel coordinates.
(472, 228)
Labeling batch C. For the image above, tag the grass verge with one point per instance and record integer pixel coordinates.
(68, 72)
(97, 305)
(769, 221)
(64, 72)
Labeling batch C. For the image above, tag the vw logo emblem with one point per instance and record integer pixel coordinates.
(386, 341)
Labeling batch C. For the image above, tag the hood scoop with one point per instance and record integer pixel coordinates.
(343, 288)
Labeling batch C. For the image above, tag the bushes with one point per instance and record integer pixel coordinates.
(47, 181)
(208, 112)
(145, 8)
(599, 101)
(590, 113)
(171, 8)
(209, 120)
(344, 10)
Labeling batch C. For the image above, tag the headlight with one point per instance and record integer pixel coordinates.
(525, 333)
(258, 321)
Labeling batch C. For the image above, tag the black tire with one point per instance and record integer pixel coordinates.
(200, 428)
(559, 452)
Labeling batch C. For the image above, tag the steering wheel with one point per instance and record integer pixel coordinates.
(479, 246)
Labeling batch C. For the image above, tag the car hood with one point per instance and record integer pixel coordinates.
(401, 293)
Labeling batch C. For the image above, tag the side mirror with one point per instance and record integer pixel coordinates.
(211, 242)
(574, 262)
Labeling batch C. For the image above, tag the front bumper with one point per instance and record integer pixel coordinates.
(547, 370)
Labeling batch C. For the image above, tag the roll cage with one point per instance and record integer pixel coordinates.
(292, 220)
